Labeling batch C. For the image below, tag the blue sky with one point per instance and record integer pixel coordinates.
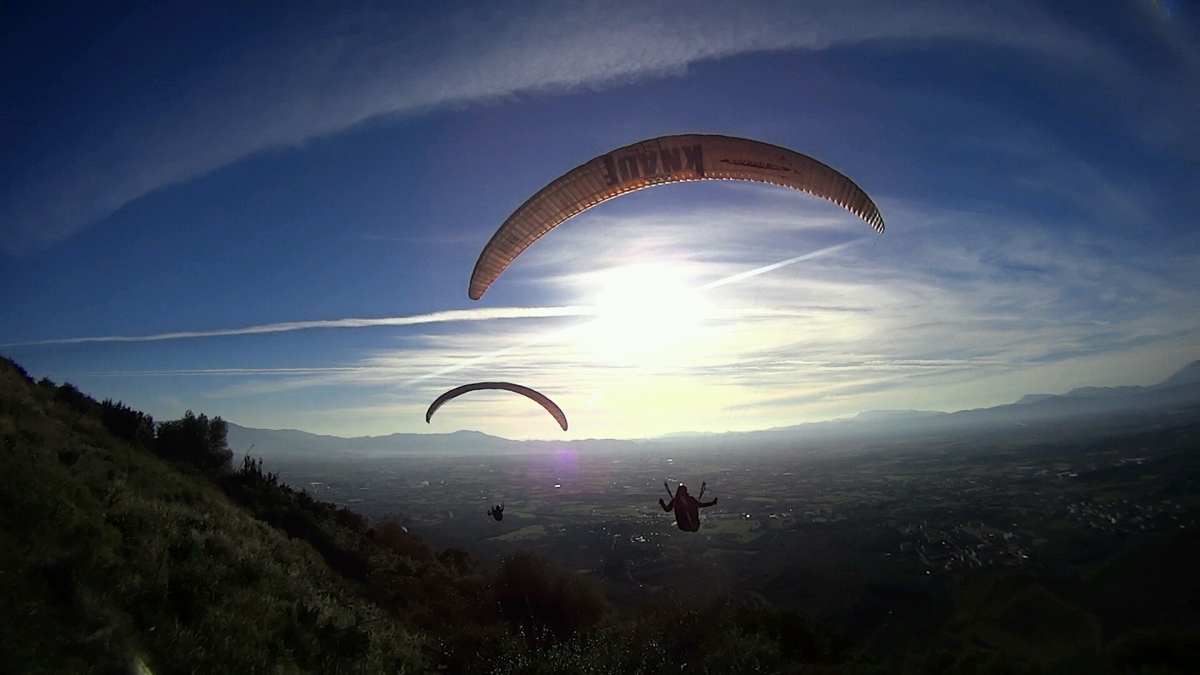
(215, 191)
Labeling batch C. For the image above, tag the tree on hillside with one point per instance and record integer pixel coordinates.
(196, 440)
(126, 423)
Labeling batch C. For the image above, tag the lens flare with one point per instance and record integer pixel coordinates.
(645, 308)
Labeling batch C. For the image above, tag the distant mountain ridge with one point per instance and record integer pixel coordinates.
(877, 415)
(295, 444)
(1180, 390)
(1188, 375)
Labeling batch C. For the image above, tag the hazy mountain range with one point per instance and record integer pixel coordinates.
(1181, 390)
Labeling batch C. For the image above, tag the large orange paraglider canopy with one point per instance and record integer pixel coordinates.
(550, 406)
(658, 161)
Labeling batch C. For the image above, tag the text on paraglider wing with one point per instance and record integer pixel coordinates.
(757, 165)
(664, 162)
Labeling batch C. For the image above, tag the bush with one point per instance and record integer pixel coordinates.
(396, 537)
(800, 639)
(1166, 649)
(70, 396)
(532, 589)
(251, 473)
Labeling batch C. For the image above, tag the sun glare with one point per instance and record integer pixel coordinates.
(645, 308)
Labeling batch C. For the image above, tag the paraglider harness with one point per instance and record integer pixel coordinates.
(686, 507)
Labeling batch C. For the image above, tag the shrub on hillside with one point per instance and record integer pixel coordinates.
(456, 559)
(532, 589)
(70, 396)
(24, 375)
(296, 513)
(350, 520)
(799, 638)
(1164, 649)
(396, 537)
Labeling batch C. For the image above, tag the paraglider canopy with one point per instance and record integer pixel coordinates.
(550, 406)
(658, 161)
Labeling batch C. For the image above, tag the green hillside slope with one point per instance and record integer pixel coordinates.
(111, 555)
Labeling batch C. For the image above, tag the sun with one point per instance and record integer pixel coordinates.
(645, 308)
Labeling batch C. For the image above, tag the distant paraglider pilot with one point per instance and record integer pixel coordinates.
(497, 511)
(686, 507)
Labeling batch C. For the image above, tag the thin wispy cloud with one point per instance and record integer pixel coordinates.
(224, 372)
(280, 90)
(448, 316)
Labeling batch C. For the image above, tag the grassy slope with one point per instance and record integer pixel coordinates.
(108, 553)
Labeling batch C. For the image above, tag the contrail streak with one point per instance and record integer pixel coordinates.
(219, 371)
(741, 276)
(486, 314)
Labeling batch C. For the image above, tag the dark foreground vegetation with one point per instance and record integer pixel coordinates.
(130, 543)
